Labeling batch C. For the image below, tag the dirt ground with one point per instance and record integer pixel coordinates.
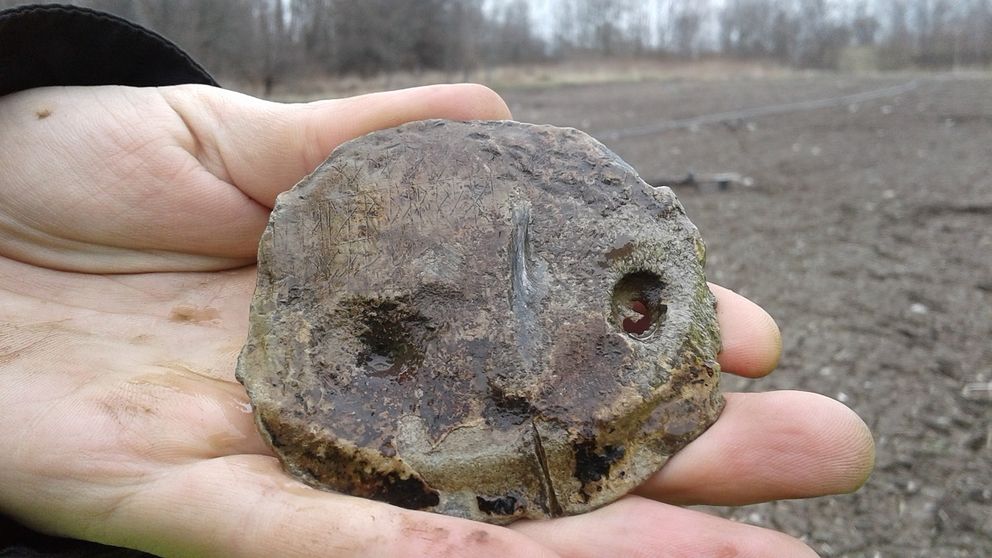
(867, 234)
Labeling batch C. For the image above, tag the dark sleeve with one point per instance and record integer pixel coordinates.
(42, 45)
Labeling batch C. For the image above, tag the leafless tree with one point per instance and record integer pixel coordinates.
(864, 25)
(599, 23)
(685, 20)
(273, 42)
(514, 41)
(745, 28)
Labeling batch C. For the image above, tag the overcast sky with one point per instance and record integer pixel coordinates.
(543, 13)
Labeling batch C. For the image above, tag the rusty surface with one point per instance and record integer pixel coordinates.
(492, 320)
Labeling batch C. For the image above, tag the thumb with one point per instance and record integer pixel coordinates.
(264, 148)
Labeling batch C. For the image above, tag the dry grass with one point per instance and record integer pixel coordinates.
(521, 76)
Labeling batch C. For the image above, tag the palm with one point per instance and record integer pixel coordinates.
(129, 427)
(137, 410)
(137, 377)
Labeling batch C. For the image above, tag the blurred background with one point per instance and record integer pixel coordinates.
(289, 45)
(836, 156)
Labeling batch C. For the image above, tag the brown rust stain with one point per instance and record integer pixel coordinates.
(478, 537)
(191, 314)
(416, 528)
(621, 248)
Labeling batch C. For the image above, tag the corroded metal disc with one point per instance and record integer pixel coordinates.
(492, 320)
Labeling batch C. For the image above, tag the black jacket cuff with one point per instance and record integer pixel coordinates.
(44, 45)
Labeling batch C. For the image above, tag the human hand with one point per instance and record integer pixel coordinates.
(125, 424)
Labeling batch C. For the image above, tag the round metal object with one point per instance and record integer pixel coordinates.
(492, 320)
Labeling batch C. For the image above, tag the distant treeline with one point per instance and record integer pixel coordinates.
(272, 41)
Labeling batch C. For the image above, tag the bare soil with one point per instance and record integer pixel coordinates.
(868, 235)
